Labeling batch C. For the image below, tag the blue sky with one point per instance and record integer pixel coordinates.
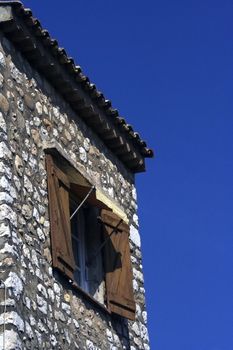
(168, 67)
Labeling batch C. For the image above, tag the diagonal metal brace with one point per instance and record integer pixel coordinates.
(114, 230)
(83, 201)
(109, 225)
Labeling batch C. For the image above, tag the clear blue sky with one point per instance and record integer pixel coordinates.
(167, 65)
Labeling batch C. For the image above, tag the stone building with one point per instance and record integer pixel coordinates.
(70, 258)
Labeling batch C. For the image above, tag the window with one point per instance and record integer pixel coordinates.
(86, 237)
(90, 243)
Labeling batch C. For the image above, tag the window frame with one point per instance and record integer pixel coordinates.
(81, 247)
(52, 163)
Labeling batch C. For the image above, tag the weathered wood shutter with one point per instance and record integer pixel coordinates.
(119, 277)
(58, 189)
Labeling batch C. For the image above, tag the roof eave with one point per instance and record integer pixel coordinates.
(48, 58)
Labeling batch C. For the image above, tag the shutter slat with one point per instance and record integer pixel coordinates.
(119, 277)
(61, 242)
(61, 176)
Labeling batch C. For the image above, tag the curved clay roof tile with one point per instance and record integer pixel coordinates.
(51, 45)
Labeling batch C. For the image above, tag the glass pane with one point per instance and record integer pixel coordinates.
(77, 276)
(74, 227)
(75, 247)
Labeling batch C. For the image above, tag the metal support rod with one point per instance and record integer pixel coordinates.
(115, 229)
(83, 201)
(107, 224)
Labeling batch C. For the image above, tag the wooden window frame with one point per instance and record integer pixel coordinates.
(81, 250)
(118, 278)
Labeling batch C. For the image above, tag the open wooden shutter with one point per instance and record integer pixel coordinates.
(119, 277)
(58, 188)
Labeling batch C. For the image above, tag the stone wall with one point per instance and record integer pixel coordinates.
(42, 310)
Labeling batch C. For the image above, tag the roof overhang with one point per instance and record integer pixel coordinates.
(44, 53)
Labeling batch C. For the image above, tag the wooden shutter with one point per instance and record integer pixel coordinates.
(119, 277)
(58, 189)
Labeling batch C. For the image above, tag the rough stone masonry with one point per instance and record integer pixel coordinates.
(39, 311)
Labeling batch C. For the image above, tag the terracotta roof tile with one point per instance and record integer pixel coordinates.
(96, 96)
